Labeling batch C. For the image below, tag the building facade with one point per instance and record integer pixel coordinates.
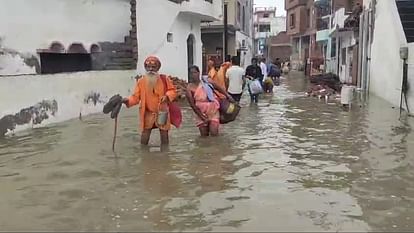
(301, 27)
(279, 46)
(239, 33)
(387, 51)
(266, 25)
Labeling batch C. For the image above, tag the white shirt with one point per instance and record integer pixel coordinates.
(263, 66)
(235, 76)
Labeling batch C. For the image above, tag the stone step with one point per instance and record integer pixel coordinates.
(120, 67)
(132, 33)
(118, 47)
(122, 54)
(130, 41)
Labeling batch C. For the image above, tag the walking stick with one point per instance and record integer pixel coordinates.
(114, 105)
(115, 129)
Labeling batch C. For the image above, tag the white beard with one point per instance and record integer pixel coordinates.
(152, 80)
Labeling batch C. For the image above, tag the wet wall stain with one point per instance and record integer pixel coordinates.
(35, 114)
(93, 97)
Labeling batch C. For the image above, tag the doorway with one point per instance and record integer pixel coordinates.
(190, 50)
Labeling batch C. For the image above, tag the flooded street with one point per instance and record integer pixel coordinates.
(296, 164)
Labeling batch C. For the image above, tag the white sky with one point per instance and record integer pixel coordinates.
(279, 4)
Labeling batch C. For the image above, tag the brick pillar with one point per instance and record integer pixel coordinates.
(133, 31)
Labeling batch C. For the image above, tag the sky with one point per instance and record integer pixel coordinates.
(279, 4)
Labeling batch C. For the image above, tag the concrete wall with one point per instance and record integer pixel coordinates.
(48, 99)
(278, 25)
(171, 18)
(27, 25)
(386, 65)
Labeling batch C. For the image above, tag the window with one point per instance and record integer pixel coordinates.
(308, 18)
(264, 28)
(292, 20)
(265, 15)
(75, 59)
(52, 63)
(169, 37)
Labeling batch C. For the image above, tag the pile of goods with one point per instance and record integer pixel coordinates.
(329, 79)
(324, 85)
(320, 91)
(181, 86)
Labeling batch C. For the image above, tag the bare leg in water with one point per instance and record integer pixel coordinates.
(214, 129)
(164, 137)
(145, 136)
(204, 131)
(209, 130)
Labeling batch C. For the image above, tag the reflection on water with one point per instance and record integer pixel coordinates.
(293, 164)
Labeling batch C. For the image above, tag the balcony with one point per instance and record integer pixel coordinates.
(262, 35)
(322, 35)
(323, 3)
(263, 20)
(207, 10)
(322, 23)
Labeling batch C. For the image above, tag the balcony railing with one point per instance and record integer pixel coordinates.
(322, 24)
(180, 1)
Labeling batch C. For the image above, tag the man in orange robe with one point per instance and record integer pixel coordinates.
(151, 93)
(220, 77)
(211, 66)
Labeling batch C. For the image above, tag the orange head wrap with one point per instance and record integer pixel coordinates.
(153, 60)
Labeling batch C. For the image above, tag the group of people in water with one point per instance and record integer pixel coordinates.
(204, 92)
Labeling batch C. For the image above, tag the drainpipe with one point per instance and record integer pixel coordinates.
(370, 34)
(226, 49)
(404, 85)
(360, 51)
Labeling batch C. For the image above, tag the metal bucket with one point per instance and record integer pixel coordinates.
(162, 117)
(347, 94)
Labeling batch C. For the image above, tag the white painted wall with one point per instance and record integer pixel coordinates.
(69, 90)
(386, 64)
(245, 59)
(27, 25)
(278, 24)
(178, 20)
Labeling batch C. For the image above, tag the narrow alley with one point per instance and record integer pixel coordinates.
(295, 165)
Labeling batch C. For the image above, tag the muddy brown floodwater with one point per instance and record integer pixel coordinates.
(294, 165)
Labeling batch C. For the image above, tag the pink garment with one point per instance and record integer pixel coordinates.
(211, 109)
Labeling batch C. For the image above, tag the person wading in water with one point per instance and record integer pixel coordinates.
(151, 91)
(201, 97)
(254, 72)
